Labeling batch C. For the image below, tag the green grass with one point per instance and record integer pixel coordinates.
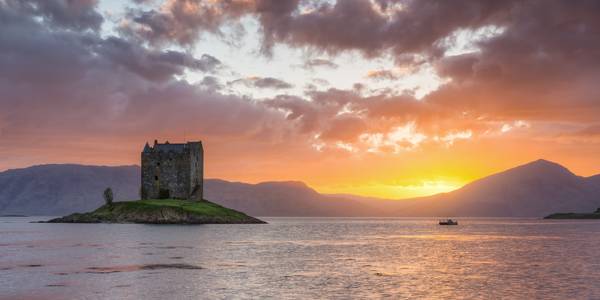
(198, 207)
(205, 208)
(161, 211)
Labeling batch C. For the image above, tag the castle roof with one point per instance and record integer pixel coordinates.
(166, 147)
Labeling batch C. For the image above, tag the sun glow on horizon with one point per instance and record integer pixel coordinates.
(395, 191)
(303, 91)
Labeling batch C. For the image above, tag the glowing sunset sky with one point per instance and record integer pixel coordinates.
(374, 97)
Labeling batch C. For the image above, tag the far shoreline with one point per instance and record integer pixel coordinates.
(574, 216)
(160, 212)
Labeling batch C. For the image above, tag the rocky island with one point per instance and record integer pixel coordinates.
(171, 190)
(161, 211)
(594, 215)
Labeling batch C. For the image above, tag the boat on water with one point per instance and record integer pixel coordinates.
(448, 222)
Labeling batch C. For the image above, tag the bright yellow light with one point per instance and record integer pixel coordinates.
(395, 191)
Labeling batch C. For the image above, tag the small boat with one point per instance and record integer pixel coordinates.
(448, 222)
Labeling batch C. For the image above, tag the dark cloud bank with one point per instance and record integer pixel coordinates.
(60, 78)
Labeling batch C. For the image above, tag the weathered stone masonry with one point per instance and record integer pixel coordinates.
(172, 171)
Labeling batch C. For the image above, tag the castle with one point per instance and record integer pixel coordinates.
(172, 171)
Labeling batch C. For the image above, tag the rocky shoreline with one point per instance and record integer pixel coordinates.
(585, 216)
(164, 211)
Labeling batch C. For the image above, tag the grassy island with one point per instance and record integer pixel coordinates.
(161, 211)
(594, 215)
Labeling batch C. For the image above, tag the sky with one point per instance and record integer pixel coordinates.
(382, 98)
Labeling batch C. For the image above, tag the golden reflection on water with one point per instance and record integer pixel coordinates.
(467, 238)
(305, 259)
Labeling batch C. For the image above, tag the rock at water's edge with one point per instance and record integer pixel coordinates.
(163, 211)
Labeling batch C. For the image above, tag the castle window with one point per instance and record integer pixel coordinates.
(155, 177)
(158, 164)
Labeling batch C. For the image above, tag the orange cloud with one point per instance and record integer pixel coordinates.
(70, 93)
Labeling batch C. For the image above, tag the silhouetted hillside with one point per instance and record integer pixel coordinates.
(284, 199)
(64, 189)
(61, 189)
(532, 190)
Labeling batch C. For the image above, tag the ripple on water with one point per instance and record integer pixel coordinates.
(132, 268)
(294, 258)
(32, 266)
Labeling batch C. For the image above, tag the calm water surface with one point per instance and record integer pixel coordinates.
(302, 258)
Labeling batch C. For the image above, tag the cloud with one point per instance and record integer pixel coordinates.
(382, 75)
(263, 83)
(587, 134)
(507, 71)
(319, 62)
(152, 64)
(414, 27)
(315, 83)
(182, 21)
(381, 123)
(67, 92)
(73, 14)
(343, 128)
(593, 130)
(62, 81)
(208, 63)
(76, 53)
(211, 83)
(331, 27)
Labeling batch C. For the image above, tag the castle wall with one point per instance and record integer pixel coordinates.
(166, 173)
(196, 171)
(173, 173)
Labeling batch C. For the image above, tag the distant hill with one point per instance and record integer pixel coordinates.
(532, 190)
(61, 189)
(290, 198)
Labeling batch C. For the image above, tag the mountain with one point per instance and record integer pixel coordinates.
(535, 189)
(594, 183)
(289, 198)
(62, 189)
(65, 189)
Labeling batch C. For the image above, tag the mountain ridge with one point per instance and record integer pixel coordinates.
(536, 189)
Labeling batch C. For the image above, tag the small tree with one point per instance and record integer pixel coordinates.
(143, 194)
(108, 196)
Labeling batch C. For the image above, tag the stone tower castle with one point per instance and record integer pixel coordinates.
(172, 171)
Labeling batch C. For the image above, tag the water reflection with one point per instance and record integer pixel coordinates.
(302, 258)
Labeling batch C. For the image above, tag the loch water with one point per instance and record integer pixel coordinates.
(302, 258)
